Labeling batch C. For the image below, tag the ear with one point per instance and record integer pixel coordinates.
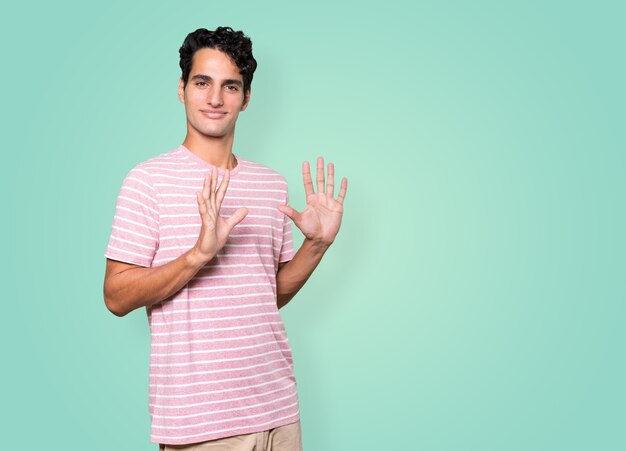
(181, 91)
(246, 100)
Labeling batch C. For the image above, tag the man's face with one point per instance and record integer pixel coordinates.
(214, 94)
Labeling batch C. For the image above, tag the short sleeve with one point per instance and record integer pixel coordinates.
(286, 250)
(135, 231)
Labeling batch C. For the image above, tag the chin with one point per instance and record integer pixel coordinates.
(211, 132)
(214, 134)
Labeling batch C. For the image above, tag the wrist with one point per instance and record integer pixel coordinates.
(316, 246)
(197, 259)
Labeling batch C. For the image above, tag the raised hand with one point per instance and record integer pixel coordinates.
(321, 218)
(214, 230)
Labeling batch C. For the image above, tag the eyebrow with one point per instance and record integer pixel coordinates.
(228, 81)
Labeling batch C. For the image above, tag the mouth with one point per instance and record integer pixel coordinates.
(213, 114)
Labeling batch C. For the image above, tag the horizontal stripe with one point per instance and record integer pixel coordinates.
(227, 390)
(202, 362)
(121, 208)
(183, 226)
(133, 243)
(225, 432)
(217, 329)
(141, 193)
(227, 245)
(220, 287)
(219, 381)
(233, 255)
(138, 180)
(205, 351)
(221, 370)
(232, 236)
(228, 276)
(186, 170)
(226, 307)
(236, 265)
(234, 409)
(224, 208)
(135, 201)
(132, 232)
(231, 296)
(204, 320)
(155, 175)
(229, 189)
(126, 251)
(155, 344)
(163, 164)
(118, 218)
(205, 423)
(196, 215)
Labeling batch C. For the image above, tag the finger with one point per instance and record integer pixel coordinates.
(236, 217)
(306, 176)
(342, 190)
(290, 212)
(201, 204)
(206, 186)
(221, 192)
(202, 208)
(330, 184)
(320, 174)
(213, 185)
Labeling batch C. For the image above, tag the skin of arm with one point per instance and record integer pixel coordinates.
(319, 222)
(292, 275)
(128, 287)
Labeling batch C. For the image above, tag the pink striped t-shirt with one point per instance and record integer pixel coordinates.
(220, 360)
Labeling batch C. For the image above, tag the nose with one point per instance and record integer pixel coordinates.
(214, 96)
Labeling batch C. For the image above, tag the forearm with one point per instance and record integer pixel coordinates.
(140, 287)
(294, 274)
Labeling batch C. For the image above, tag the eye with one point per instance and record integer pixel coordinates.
(232, 88)
(201, 83)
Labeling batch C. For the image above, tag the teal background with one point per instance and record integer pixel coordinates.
(474, 299)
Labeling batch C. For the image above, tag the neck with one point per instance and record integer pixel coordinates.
(215, 151)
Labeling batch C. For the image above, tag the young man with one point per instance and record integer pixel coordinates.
(202, 239)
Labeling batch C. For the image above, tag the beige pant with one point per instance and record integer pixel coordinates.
(283, 438)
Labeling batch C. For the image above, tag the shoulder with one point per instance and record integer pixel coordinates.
(153, 166)
(140, 178)
(259, 170)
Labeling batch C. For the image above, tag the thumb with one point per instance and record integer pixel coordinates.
(237, 217)
(290, 212)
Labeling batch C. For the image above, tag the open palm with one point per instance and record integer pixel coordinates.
(321, 218)
(214, 229)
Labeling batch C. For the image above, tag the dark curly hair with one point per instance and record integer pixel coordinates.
(235, 44)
